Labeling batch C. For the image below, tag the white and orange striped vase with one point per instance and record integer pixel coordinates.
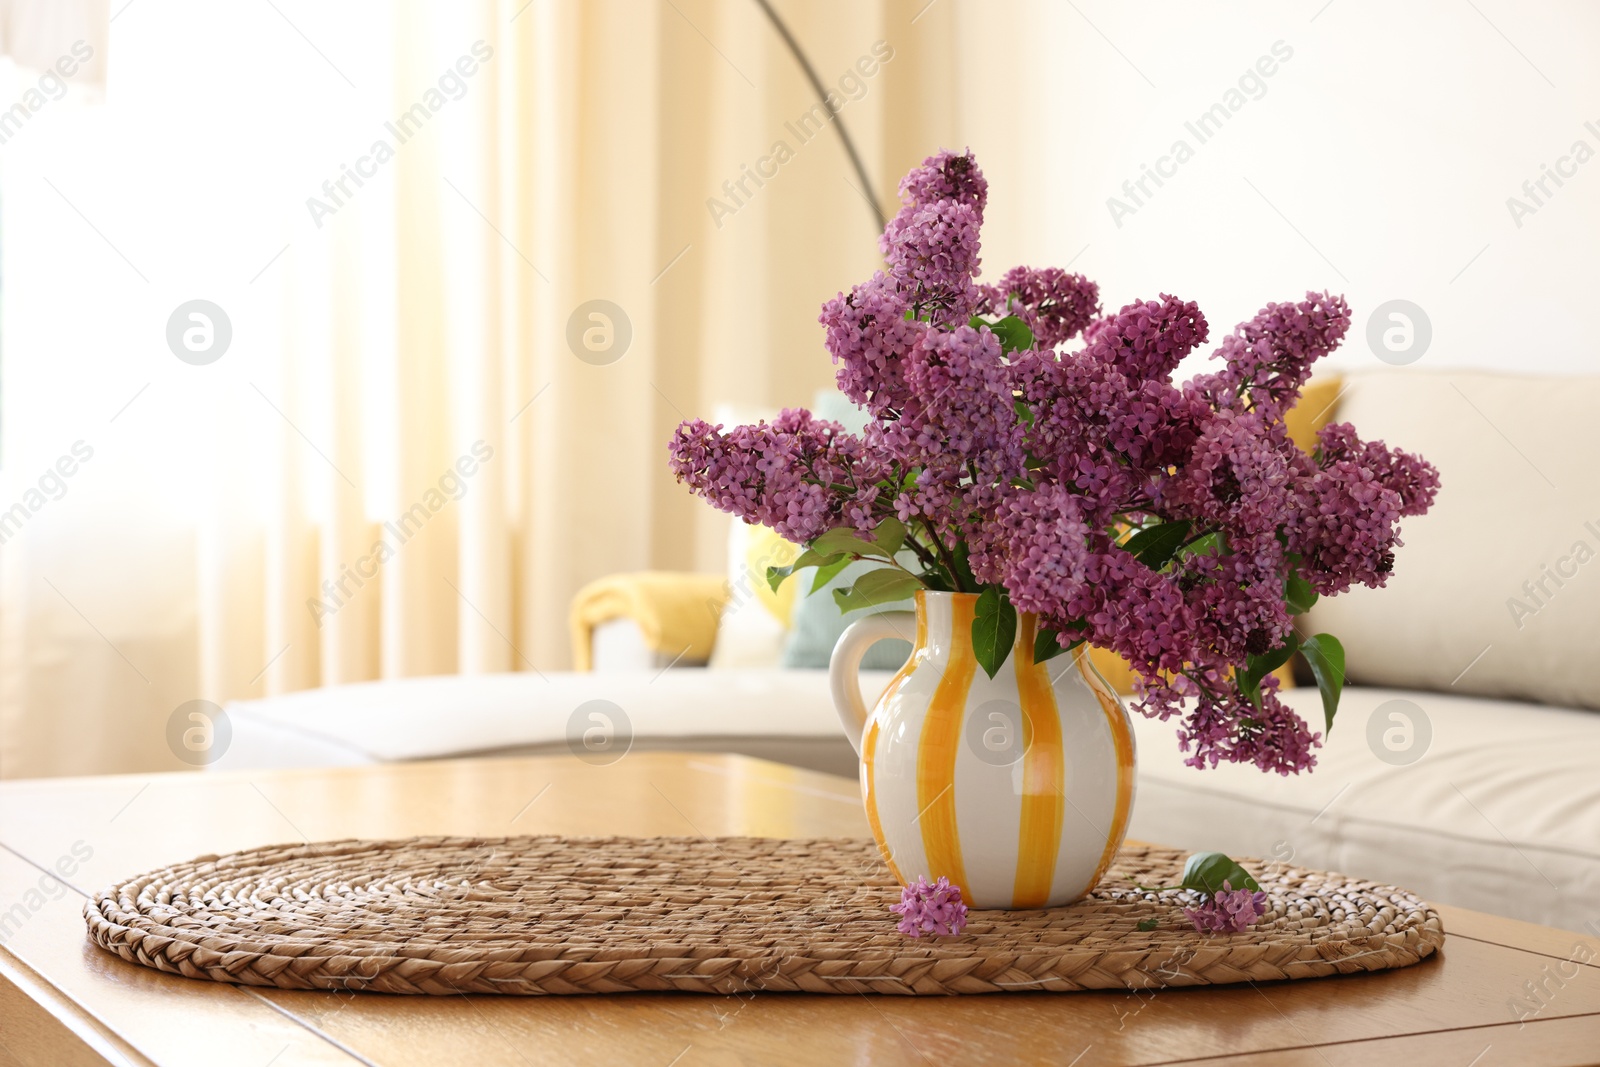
(1017, 788)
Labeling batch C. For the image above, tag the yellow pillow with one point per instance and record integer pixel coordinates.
(1318, 406)
(763, 549)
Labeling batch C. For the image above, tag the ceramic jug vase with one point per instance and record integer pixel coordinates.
(1017, 788)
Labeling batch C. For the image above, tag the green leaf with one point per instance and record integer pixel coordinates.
(1267, 662)
(1325, 654)
(844, 539)
(1013, 333)
(881, 586)
(1206, 871)
(887, 538)
(1258, 667)
(994, 628)
(1298, 596)
(776, 576)
(1024, 412)
(1212, 544)
(1149, 924)
(889, 534)
(808, 558)
(827, 573)
(1046, 646)
(1154, 546)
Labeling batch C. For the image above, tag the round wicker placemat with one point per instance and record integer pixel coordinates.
(540, 915)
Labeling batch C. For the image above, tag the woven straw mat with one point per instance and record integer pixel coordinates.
(543, 915)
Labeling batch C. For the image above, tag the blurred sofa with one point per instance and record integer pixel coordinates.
(1463, 763)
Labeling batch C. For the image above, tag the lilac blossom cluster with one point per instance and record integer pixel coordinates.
(930, 908)
(1022, 439)
(1228, 910)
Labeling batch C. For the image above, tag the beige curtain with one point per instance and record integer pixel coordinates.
(36, 34)
(420, 470)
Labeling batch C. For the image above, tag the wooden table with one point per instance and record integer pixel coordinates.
(62, 1001)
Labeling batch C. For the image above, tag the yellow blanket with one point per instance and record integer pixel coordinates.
(677, 613)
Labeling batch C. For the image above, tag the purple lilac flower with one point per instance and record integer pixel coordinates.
(1148, 339)
(1135, 611)
(1228, 911)
(1237, 598)
(1055, 305)
(1411, 476)
(961, 405)
(1036, 545)
(800, 475)
(1074, 401)
(932, 253)
(868, 335)
(947, 176)
(1269, 358)
(930, 908)
(1344, 525)
(931, 245)
(1237, 475)
(1272, 737)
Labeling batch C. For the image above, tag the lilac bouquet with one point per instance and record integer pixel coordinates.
(1025, 447)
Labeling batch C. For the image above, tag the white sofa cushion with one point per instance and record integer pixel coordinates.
(781, 715)
(1501, 812)
(619, 645)
(1519, 507)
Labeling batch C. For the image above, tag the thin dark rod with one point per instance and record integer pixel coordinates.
(822, 95)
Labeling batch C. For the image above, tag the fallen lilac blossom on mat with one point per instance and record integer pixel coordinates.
(1229, 911)
(1225, 909)
(930, 908)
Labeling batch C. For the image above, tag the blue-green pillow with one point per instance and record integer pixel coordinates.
(817, 622)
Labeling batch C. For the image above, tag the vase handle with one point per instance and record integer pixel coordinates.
(844, 666)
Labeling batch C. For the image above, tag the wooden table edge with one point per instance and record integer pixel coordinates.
(75, 1035)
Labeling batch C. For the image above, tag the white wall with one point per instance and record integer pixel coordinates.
(1390, 140)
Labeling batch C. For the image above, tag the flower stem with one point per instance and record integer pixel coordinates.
(945, 556)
